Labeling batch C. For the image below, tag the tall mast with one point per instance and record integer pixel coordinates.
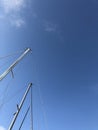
(19, 107)
(31, 113)
(14, 64)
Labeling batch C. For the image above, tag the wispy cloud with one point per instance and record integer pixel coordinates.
(12, 5)
(2, 128)
(50, 27)
(18, 22)
(11, 10)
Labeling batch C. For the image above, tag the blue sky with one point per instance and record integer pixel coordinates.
(63, 36)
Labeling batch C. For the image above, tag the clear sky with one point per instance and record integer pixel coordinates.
(63, 36)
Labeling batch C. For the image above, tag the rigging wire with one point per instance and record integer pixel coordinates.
(4, 93)
(37, 85)
(24, 118)
(3, 64)
(31, 109)
(7, 87)
(10, 55)
(43, 108)
(10, 98)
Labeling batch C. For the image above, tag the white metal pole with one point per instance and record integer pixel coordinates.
(14, 64)
(19, 108)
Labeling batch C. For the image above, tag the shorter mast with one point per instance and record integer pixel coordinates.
(19, 107)
(14, 64)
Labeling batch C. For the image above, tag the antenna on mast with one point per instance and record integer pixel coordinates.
(2, 76)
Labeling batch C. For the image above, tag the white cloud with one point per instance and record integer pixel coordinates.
(11, 11)
(53, 28)
(18, 22)
(12, 5)
(2, 128)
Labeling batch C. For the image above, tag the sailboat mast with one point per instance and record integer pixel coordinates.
(19, 107)
(14, 64)
(31, 113)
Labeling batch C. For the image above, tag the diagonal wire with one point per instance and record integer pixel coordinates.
(43, 108)
(10, 98)
(10, 55)
(31, 109)
(24, 118)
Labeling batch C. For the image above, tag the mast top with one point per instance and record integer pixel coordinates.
(14, 63)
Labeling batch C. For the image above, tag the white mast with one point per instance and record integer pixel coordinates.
(19, 107)
(14, 64)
